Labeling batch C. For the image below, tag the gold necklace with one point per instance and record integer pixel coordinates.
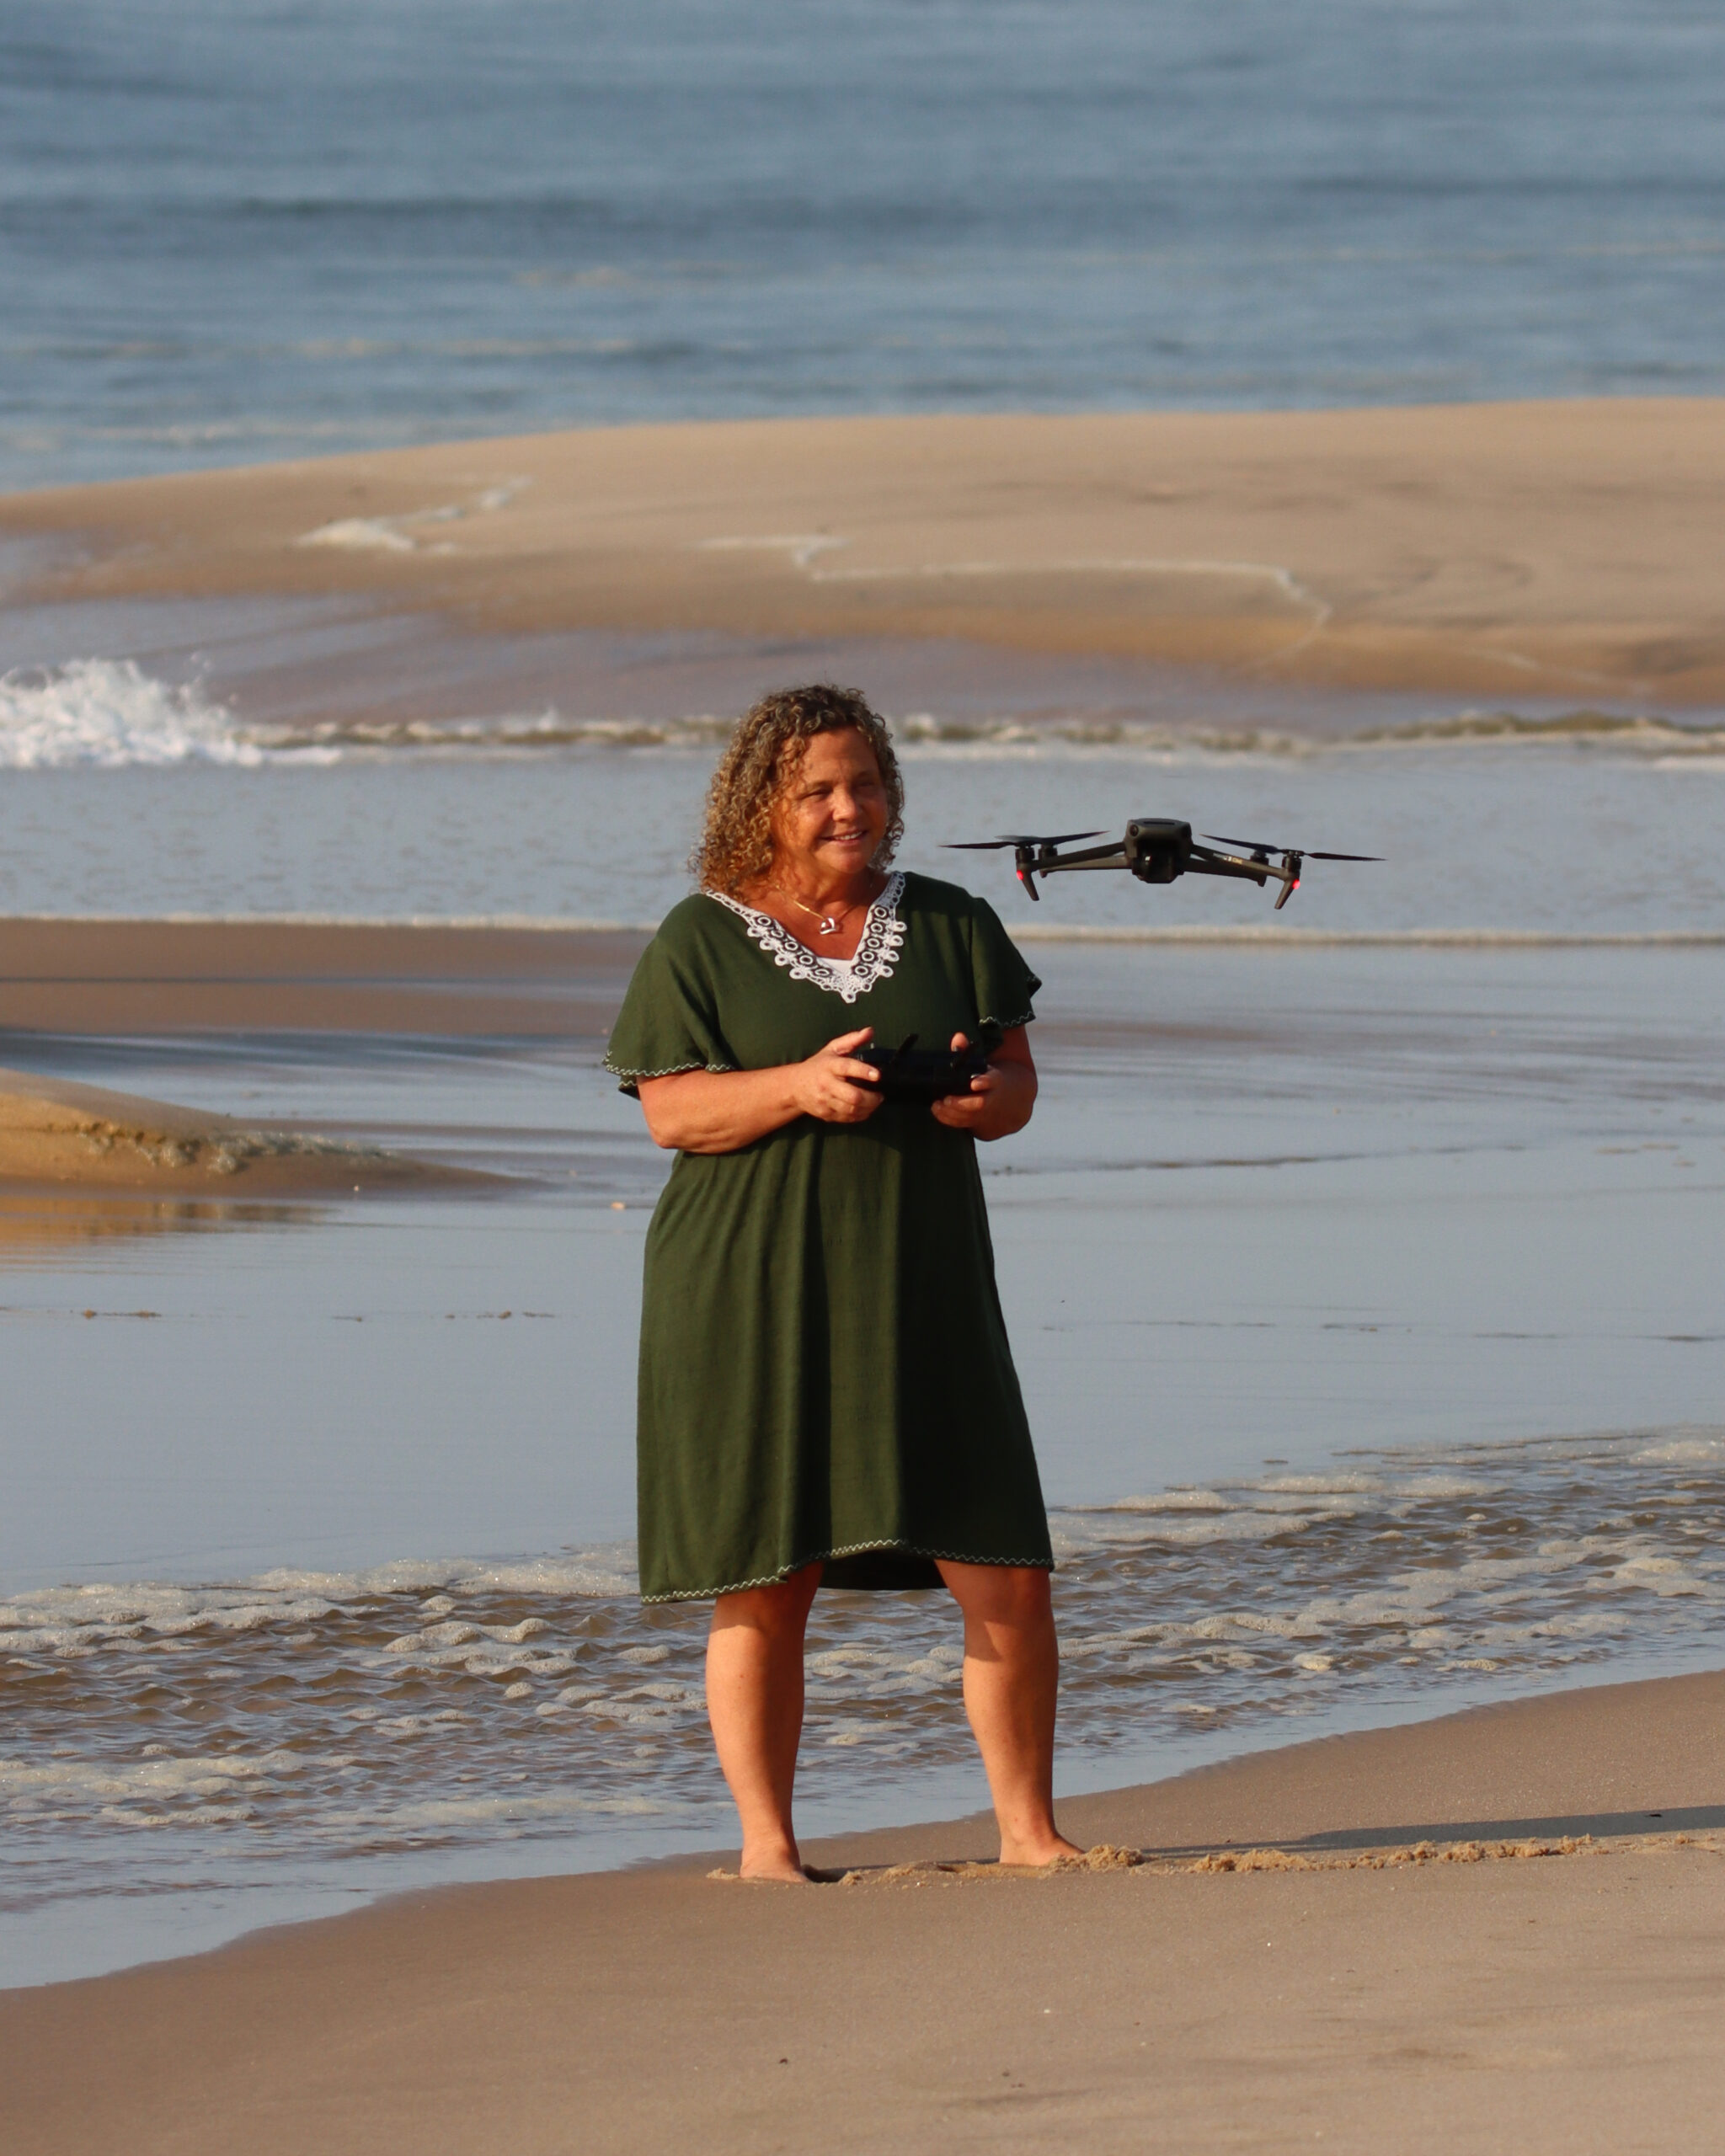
(829, 924)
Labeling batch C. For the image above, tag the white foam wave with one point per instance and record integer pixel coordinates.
(1684, 1452)
(1665, 743)
(1169, 1500)
(1258, 1525)
(472, 1811)
(1317, 1485)
(71, 1620)
(359, 532)
(1643, 734)
(108, 713)
(604, 1571)
(158, 1779)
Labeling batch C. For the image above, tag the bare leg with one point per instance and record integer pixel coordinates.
(755, 1703)
(1012, 1676)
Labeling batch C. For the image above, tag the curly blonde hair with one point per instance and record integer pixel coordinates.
(770, 741)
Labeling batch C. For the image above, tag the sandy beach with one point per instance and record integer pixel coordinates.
(1499, 1930)
(1558, 550)
(62, 1134)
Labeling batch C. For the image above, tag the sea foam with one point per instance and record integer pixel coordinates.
(161, 1735)
(106, 713)
(109, 712)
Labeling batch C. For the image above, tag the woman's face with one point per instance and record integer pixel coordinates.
(830, 815)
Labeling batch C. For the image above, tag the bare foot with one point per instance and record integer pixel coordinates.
(1033, 1855)
(780, 1867)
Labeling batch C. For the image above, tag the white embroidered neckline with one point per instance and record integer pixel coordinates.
(877, 948)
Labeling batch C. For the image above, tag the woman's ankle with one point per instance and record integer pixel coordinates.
(771, 1856)
(1036, 1844)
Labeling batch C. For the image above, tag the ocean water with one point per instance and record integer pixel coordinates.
(233, 230)
(253, 758)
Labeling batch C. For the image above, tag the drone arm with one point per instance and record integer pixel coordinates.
(1249, 872)
(1040, 859)
(1093, 856)
(1205, 861)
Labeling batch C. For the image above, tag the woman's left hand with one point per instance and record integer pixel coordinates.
(1000, 1101)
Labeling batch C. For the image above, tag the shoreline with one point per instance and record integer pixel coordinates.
(72, 977)
(57, 1135)
(1451, 1916)
(1550, 549)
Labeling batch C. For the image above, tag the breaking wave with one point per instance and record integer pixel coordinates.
(1644, 733)
(108, 713)
(1014, 734)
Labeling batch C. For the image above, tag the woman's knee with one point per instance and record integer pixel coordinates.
(781, 1606)
(1016, 1595)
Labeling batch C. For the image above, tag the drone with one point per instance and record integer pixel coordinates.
(1156, 849)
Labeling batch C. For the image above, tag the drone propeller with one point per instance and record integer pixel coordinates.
(1263, 845)
(1016, 838)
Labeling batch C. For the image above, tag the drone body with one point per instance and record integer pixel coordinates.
(1156, 849)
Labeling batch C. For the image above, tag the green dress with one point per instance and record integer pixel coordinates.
(824, 1371)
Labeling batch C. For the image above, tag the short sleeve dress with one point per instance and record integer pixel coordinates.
(824, 1370)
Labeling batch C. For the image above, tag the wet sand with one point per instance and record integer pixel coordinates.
(1497, 1930)
(139, 978)
(103, 977)
(1556, 550)
(135, 978)
(53, 1131)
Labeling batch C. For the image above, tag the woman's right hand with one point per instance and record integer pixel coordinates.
(722, 1111)
(833, 1086)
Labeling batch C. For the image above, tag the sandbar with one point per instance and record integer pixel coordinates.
(54, 1131)
(1497, 1930)
(1548, 550)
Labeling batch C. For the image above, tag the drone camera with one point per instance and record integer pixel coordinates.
(1157, 849)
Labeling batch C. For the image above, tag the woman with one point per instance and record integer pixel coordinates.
(826, 1392)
